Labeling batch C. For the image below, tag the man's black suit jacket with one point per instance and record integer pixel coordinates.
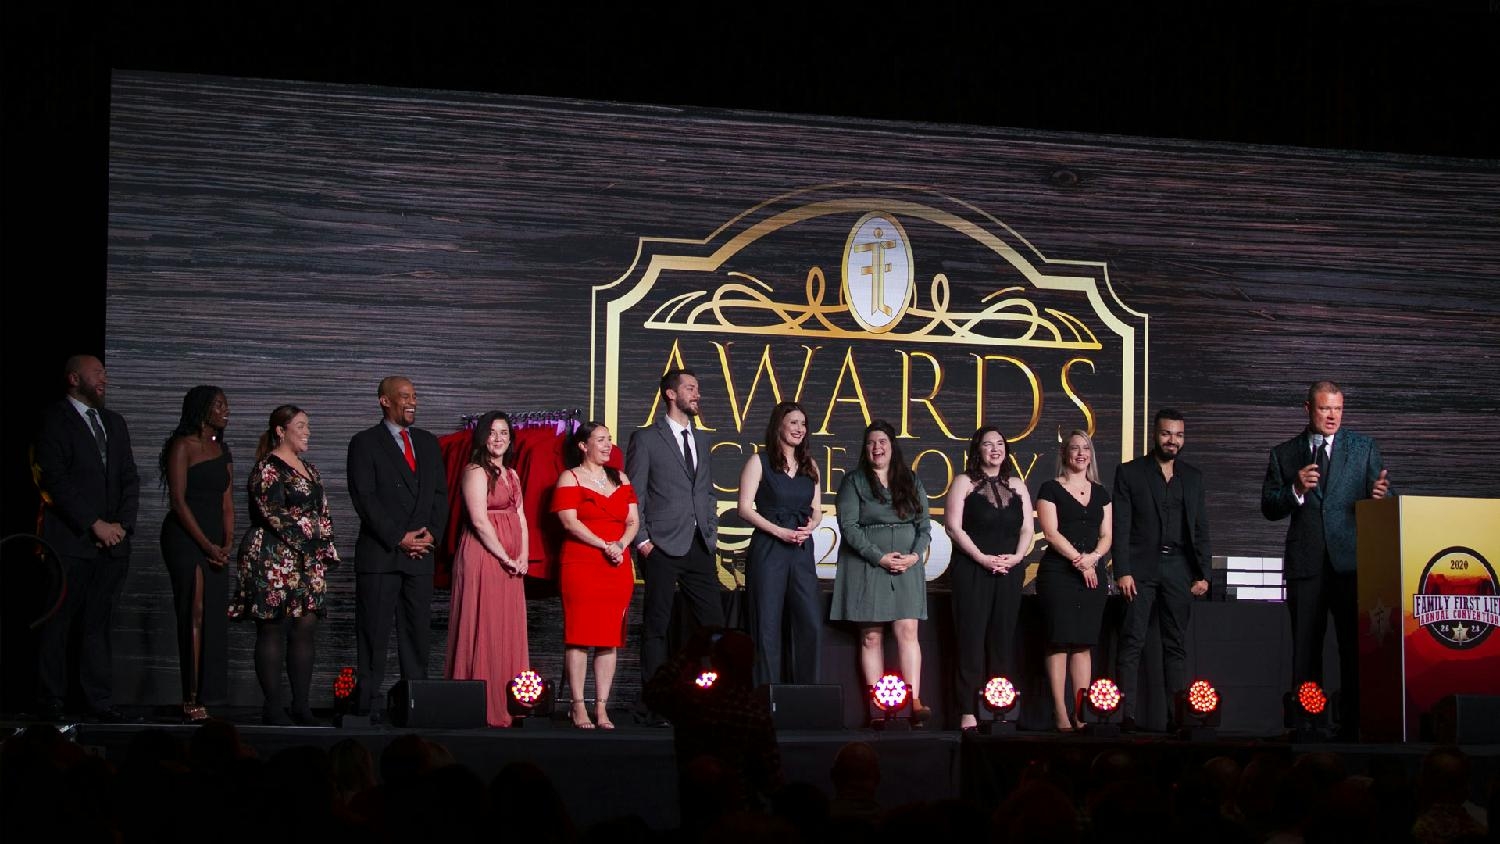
(1137, 519)
(82, 489)
(392, 500)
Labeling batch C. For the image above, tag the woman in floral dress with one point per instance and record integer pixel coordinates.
(283, 561)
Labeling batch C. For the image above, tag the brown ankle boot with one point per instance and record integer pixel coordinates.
(919, 711)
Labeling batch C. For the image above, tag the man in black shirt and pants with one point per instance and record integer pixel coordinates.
(1161, 557)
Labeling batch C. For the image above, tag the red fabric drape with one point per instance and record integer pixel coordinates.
(539, 460)
(456, 447)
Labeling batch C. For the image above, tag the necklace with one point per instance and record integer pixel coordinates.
(600, 483)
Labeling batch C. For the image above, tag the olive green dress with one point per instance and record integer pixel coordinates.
(862, 589)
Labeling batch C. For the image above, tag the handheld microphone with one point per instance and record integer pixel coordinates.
(1317, 444)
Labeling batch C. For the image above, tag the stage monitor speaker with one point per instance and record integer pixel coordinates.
(805, 707)
(1466, 719)
(452, 704)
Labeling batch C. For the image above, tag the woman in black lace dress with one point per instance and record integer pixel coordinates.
(988, 517)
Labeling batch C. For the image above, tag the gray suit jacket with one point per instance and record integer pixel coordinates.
(670, 500)
(1325, 521)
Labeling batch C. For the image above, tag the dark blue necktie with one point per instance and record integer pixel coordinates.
(1320, 455)
(99, 435)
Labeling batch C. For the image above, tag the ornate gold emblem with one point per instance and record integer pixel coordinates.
(864, 300)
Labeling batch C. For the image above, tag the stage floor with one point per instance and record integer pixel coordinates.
(630, 771)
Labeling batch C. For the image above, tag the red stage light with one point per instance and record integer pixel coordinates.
(1104, 695)
(343, 685)
(1311, 698)
(1202, 698)
(889, 693)
(1000, 694)
(706, 680)
(527, 687)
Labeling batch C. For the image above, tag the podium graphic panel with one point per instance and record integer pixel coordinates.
(1441, 554)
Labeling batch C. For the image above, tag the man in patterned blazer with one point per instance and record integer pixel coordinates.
(1316, 477)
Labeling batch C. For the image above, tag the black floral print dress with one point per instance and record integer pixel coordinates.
(288, 550)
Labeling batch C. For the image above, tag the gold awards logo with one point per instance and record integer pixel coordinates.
(1456, 600)
(867, 301)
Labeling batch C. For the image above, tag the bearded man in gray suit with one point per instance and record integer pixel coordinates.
(668, 463)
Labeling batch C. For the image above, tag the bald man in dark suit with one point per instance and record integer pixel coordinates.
(92, 494)
(399, 486)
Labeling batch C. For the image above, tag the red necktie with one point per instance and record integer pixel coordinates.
(411, 456)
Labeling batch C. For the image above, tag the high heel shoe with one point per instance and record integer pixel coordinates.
(601, 714)
(580, 709)
(919, 711)
(302, 716)
(274, 716)
(193, 713)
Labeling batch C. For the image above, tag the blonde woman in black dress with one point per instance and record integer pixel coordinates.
(1075, 514)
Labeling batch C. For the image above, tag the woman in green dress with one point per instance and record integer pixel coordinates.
(881, 577)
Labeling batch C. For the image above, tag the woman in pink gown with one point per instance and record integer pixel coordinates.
(487, 625)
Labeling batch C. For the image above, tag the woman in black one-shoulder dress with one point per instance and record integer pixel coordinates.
(198, 471)
(1075, 514)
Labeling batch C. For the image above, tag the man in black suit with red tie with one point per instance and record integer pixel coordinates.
(1161, 556)
(91, 494)
(400, 490)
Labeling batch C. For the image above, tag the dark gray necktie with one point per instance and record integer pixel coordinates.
(687, 452)
(1320, 456)
(99, 435)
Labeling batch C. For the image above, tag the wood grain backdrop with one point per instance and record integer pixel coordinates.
(297, 242)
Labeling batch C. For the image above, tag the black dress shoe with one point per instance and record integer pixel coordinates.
(107, 715)
(274, 716)
(51, 711)
(302, 717)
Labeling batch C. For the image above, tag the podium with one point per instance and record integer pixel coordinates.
(1429, 603)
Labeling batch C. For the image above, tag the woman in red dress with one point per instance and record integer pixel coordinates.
(487, 628)
(596, 505)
